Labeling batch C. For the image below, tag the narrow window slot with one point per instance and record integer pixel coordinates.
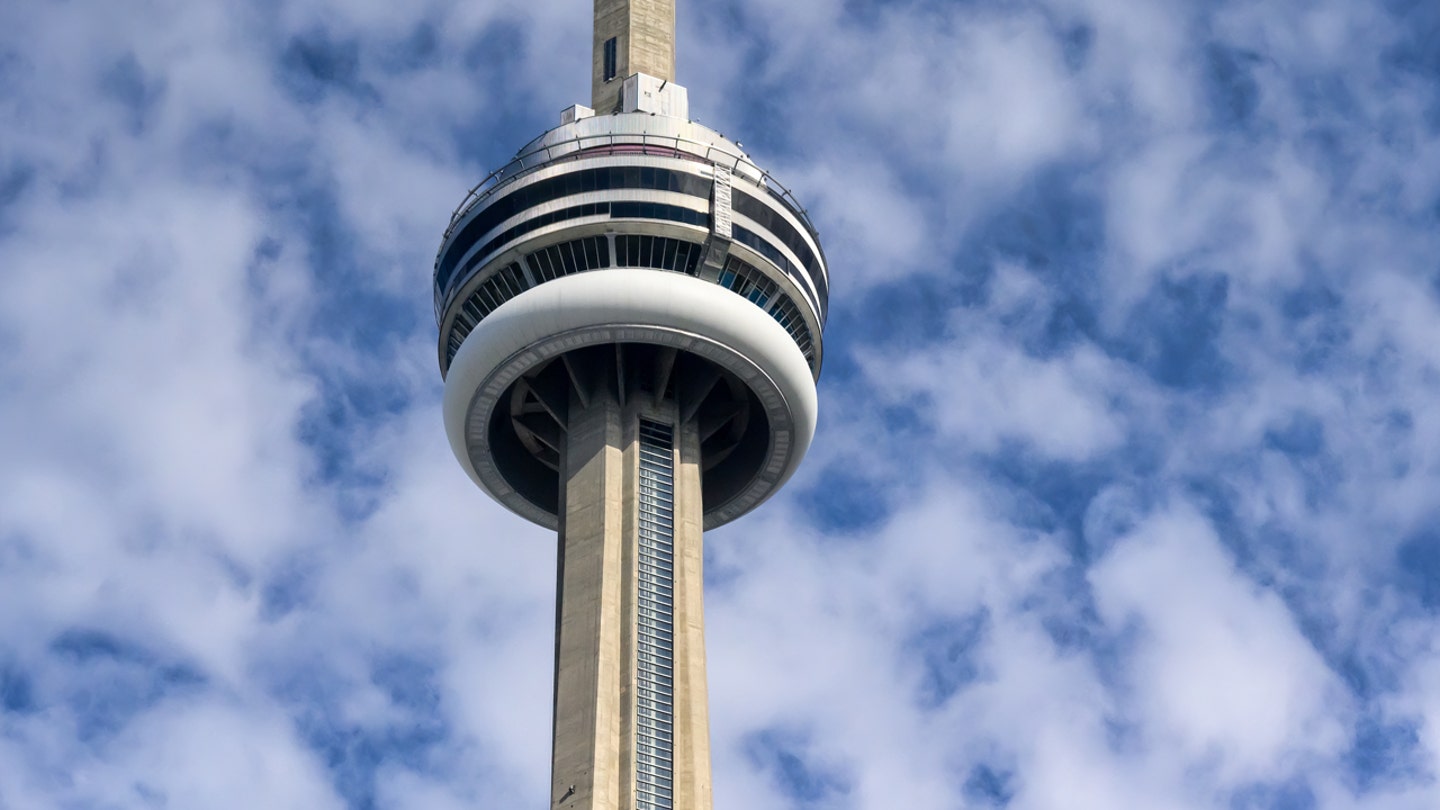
(611, 58)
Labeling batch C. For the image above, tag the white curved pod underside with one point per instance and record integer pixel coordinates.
(630, 306)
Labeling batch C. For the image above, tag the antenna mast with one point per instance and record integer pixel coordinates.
(631, 36)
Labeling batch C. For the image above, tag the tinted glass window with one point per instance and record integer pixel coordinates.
(603, 179)
(770, 220)
(749, 238)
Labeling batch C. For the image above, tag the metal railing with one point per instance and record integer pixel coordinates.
(586, 146)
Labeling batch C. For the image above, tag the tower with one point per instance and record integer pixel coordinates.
(630, 317)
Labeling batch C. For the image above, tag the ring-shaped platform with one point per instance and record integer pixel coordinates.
(630, 306)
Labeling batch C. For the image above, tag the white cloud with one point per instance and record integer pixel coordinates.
(986, 392)
(1220, 671)
(196, 466)
(215, 756)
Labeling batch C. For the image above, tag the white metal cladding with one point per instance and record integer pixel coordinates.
(655, 621)
(636, 306)
(634, 129)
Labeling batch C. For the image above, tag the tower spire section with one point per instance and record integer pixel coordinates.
(631, 36)
(630, 315)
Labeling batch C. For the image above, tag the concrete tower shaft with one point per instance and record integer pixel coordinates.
(631, 36)
(631, 724)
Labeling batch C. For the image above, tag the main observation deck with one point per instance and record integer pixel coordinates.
(631, 190)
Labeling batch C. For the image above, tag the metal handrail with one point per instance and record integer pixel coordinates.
(509, 173)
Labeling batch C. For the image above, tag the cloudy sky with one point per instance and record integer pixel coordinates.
(1127, 487)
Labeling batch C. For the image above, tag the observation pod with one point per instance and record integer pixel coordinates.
(635, 257)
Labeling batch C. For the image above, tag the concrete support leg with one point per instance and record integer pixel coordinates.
(692, 716)
(585, 764)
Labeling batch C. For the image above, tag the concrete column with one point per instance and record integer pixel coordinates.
(692, 715)
(585, 763)
(644, 33)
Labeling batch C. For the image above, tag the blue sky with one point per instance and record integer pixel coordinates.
(1125, 488)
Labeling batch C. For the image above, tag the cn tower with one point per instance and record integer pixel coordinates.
(630, 318)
